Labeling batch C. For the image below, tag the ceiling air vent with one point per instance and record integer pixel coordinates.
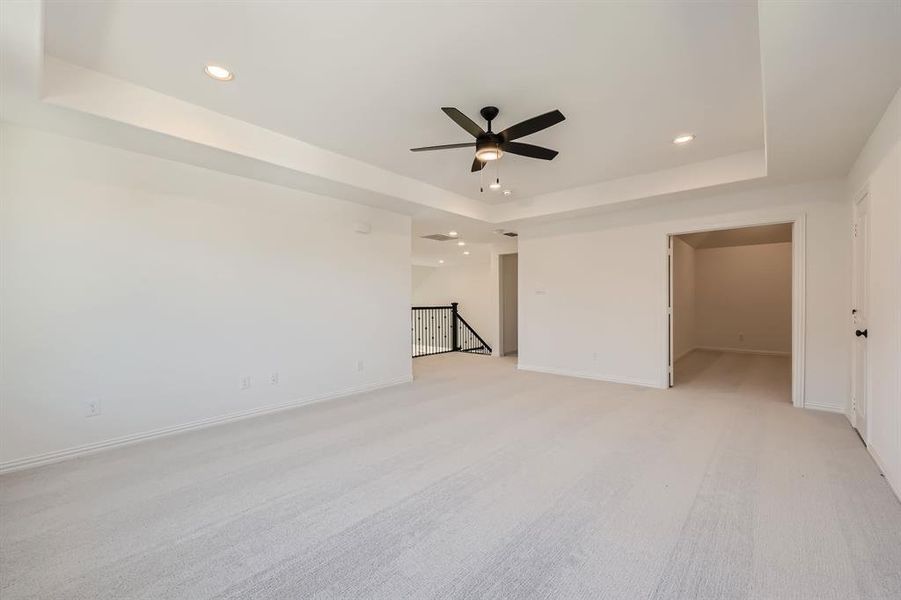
(438, 237)
(511, 234)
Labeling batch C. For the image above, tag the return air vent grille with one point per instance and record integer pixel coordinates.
(438, 237)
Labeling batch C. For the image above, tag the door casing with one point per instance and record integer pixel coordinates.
(798, 221)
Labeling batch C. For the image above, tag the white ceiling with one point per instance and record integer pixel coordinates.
(367, 79)
(830, 68)
(744, 236)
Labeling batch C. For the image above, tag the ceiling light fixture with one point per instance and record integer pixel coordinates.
(461, 243)
(488, 150)
(218, 73)
(440, 262)
(683, 139)
(452, 233)
(466, 252)
(507, 192)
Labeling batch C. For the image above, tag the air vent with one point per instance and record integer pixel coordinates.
(511, 234)
(438, 237)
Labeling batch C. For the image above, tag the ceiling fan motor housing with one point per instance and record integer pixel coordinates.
(488, 144)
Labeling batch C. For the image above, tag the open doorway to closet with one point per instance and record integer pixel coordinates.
(731, 310)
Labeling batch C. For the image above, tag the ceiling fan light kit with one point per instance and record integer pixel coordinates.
(492, 146)
(488, 150)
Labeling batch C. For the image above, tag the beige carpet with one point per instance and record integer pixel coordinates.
(476, 481)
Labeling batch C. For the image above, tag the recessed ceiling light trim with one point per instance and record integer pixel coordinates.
(683, 139)
(218, 72)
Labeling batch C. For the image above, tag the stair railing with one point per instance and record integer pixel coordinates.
(440, 329)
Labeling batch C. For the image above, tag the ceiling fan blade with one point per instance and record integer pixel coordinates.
(533, 125)
(477, 165)
(444, 147)
(529, 150)
(463, 121)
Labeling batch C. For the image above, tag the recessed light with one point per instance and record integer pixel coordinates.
(440, 262)
(683, 139)
(218, 73)
(452, 233)
(507, 192)
(466, 252)
(461, 243)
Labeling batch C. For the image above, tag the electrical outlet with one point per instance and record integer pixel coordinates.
(245, 383)
(273, 379)
(359, 365)
(92, 408)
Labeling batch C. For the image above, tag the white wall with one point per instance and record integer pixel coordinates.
(593, 291)
(156, 286)
(683, 299)
(878, 170)
(473, 286)
(743, 298)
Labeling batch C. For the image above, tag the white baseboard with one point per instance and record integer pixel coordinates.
(895, 486)
(588, 375)
(685, 353)
(76, 451)
(825, 407)
(744, 351)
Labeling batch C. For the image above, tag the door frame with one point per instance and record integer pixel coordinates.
(860, 199)
(798, 221)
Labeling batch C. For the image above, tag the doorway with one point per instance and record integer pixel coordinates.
(731, 309)
(508, 276)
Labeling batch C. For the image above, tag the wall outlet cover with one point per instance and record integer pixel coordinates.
(92, 407)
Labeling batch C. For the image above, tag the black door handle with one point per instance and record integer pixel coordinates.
(859, 333)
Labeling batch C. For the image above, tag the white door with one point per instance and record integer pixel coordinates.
(669, 311)
(859, 317)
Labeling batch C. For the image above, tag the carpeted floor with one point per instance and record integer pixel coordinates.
(475, 481)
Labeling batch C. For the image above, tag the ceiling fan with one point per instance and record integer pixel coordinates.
(491, 146)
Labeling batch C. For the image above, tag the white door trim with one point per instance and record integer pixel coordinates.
(670, 316)
(798, 220)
